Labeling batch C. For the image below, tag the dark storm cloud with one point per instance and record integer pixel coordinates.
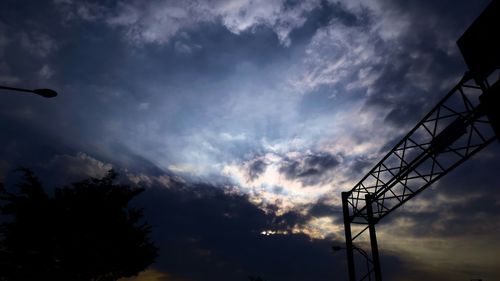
(309, 169)
(406, 98)
(203, 232)
(361, 164)
(418, 72)
(256, 168)
(322, 209)
(322, 161)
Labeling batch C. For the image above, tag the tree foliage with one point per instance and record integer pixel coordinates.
(84, 232)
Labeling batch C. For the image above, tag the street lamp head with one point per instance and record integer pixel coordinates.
(46, 93)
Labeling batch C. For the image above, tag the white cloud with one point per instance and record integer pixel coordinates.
(70, 168)
(143, 106)
(320, 228)
(226, 136)
(90, 11)
(79, 165)
(85, 10)
(389, 34)
(339, 56)
(186, 48)
(142, 179)
(160, 20)
(37, 43)
(272, 187)
(156, 21)
(240, 16)
(46, 72)
(126, 15)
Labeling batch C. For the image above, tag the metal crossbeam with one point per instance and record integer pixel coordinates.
(454, 130)
(464, 122)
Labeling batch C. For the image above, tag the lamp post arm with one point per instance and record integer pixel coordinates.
(16, 89)
(46, 93)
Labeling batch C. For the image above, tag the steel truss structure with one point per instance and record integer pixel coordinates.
(464, 122)
(453, 131)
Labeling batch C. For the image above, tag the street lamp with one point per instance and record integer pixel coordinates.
(46, 93)
(336, 248)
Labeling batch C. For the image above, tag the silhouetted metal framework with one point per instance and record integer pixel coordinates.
(451, 133)
(460, 125)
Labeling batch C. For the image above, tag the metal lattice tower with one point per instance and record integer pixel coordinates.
(464, 122)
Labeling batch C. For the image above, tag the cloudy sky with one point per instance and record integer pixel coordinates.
(245, 119)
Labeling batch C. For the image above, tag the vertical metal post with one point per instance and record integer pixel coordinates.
(348, 237)
(373, 239)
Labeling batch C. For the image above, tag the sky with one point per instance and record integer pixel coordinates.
(244, 120)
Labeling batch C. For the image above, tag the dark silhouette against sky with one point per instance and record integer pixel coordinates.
(85, 231)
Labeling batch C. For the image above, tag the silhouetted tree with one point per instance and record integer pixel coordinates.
(84, 232)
